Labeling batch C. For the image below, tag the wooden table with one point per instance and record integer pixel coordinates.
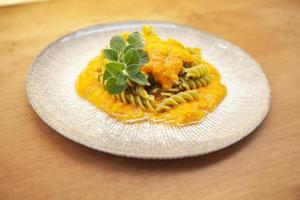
(38, 163)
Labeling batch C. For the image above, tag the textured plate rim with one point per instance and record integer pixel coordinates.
(59, 127)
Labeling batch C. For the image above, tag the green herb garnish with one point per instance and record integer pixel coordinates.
(125, 60)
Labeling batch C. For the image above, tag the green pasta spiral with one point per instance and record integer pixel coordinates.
(170, 92)
(156, 90)
(196, 71)
(138, 96)
(194, 83)
(177, 99)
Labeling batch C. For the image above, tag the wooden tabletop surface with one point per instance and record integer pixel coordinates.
(38, 163)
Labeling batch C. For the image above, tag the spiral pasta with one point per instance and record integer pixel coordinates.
(170, 92)
(154, 89)
(194, 83)
(179, 98)
(140, 91)
(196, 71)
(137, 96)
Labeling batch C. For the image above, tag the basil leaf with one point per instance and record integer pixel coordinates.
(143, 56)
(132, 69)
(114, 68)
(106, 75)
(135, 39)
(139, 78)
(110, 54)
(121, 80)
(117, 43)
(124, 51)
(112, 87)
(127, 48)
(132, 56)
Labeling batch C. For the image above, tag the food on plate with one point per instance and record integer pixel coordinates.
(141, 76)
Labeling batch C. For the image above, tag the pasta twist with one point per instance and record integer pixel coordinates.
(196, 71)
(137, 96)
(170, 92)
(140, 91)
(155, 89)
(194, 83)
(179, 98)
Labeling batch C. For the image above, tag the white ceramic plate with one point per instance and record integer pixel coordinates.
(51, 92)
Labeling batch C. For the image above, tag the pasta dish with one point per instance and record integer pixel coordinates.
(140, 76)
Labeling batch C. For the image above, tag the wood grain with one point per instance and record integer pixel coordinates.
(38, 163)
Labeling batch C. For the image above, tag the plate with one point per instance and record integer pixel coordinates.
(51, 92)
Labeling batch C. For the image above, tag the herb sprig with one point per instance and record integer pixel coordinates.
(125, 59)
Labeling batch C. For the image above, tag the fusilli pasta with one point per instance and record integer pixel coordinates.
(137, 95)
(196, 71)
(179, 98)
(194, 83)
